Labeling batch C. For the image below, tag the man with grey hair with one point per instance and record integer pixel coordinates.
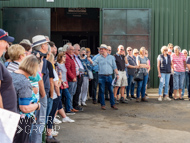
(72, 73)
(40, 45)
(106, 64)
(79, 77)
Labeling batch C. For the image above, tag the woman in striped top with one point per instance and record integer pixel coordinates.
(178, 66)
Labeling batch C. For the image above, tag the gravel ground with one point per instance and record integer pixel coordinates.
(158, 122)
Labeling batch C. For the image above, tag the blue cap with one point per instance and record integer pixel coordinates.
(5, 36)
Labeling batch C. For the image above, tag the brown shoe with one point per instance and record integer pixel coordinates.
(94, 102)
(103, 107)
(114, 107)
(144, 99)
(138, 100)
(74, 110)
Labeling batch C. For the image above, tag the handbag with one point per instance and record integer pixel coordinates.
(138, 75)
(90, 74)
(64, 87)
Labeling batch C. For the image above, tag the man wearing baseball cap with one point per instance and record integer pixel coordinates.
(106, 64)
(8, 99)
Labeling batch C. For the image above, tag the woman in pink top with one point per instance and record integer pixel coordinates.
(179, 66)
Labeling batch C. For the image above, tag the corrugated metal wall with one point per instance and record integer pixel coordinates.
(170, 19)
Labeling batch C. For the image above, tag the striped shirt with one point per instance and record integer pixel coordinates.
(178, 62)
(13, 66)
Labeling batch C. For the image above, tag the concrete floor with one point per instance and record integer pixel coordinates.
(152, 122)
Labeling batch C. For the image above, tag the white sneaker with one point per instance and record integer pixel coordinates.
(56, 121)
(160, 98)
(54, 133)
(67, 119)
(167, 98)
(79, 103)
(84, 104)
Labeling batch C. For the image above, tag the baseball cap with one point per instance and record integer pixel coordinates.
(5, 36)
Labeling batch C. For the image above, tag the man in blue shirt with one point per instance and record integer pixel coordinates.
(106, 64)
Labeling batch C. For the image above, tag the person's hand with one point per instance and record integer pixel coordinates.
(39, 105)
(117, 76)
(35, 90)
(137, 67)
(159, 75)
(90, 60)
(64, 85)
(74, 80)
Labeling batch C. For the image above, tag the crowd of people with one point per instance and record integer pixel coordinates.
(43, 82)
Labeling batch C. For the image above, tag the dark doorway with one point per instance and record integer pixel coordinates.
(75, 25)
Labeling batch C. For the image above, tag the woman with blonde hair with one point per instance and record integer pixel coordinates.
(142, 62)
(26, 104)
(164, 71)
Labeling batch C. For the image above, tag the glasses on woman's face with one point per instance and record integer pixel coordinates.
(109, 50)
(136, 53)
(129, 50)
(184, 53)
(165, 50)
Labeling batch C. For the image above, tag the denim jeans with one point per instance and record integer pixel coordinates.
(108, 81)
(131, 85)
(65, 93)
(178, 80)
(52, 113)
(141, 87)
(164, 80)
(186, 83)
(72, 89)
(94, 85)
(49, 107)
(38, 127)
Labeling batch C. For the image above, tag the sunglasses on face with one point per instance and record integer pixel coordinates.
(129, 50)
(109, 50)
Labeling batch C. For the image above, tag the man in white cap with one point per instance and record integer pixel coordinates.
(40, 45)
(8, 98)
(106, 64)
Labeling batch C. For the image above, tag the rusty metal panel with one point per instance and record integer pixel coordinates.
(24, 23)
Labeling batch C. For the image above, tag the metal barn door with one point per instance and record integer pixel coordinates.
(128, 27)
(24, 23)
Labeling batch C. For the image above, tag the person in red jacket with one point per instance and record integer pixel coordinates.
(71, 66)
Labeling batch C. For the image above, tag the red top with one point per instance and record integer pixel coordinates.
(70, 66)
(178, 62)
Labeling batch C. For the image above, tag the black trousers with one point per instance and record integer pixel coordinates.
(171, 85)
(189, 86)
(78, 90)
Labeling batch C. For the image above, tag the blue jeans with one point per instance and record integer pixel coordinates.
(49, 107)
(131, 85)
(52, 113)
(186, 84)
(164, 80)
(141, 87)
(65, 93)
(38, 127)
(178, 80)
(108, 81)
(72, 89)
(94, 85)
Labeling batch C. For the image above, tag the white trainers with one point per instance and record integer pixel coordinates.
(54, 133)
(167, 98)
(84, 104)
(56, 121)
(160, 98)
(67, 119)
(79, 103)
